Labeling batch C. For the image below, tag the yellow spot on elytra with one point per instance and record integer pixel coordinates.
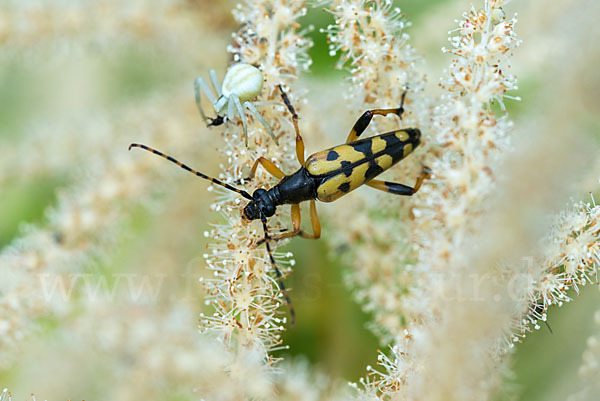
(377, 145)
(384, 161)
(402, 135)
(317, 163)
(329, 190)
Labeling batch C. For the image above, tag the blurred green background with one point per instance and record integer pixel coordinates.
(329, 323)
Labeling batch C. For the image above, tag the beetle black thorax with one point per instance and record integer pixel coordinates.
(292, 189)
(298, 187)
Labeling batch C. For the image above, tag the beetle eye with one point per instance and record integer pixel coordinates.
(258, 193)
(245, 217)
(268, 210)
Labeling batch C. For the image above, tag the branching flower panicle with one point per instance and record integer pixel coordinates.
(80, 227)
(66, 26)
(469, 138)
(243, 291)
(374, 46)
(570, 261)
(470, 135)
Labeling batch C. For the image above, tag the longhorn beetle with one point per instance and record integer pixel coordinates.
(326, 176)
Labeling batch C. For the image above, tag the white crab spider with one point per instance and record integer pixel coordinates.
(242, 83)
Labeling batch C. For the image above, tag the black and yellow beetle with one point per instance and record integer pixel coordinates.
(326, 175)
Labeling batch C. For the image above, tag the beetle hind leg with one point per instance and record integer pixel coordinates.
(365, 119)
(400, 189)
(392, 187)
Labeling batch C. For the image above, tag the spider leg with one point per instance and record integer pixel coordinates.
(201, 86)
(260, 118)
(240, 110)
(230, 110)
(266, 103)
(215, 82)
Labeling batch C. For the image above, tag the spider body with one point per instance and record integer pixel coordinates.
(242, 83)
(242, 80)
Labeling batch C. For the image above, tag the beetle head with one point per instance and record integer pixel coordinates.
(251, 211)
(260, 206)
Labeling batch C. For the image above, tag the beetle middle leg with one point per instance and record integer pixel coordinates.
(296, 220)
(400, 189)
(365, 119)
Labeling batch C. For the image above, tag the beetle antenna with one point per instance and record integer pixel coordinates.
(401, 108)
(191, 170)
(278, 273)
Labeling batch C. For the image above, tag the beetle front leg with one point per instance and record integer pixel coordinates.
(268, 165)
(296, 220)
